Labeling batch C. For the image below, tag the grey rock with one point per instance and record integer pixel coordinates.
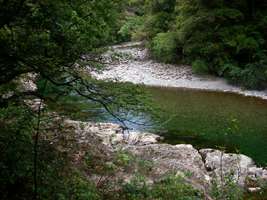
(239, 167)
(255, 189)
(200, 168)
(183, 159)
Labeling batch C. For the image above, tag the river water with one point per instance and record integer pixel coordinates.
(205, 119)
(214, 120)
(203, 111)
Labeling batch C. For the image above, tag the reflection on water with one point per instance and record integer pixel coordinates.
(208, 119)
(215, 119)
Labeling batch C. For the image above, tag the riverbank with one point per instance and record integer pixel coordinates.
(201, 168)
(108, 143)
(130, 62)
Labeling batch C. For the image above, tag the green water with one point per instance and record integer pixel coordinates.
(204, 119)
(214, 119)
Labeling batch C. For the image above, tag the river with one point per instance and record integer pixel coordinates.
(204, 111)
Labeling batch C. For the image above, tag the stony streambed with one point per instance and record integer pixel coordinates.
(130, 62)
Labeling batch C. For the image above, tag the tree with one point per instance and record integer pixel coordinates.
(50, 38)
(57, 40)
(225, 38)
(46, 36)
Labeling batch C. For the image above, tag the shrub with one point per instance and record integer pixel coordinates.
(164, 47)
(200, 67)
(220, 37)
(131, 27)
(226, 188)
(253, 76)
(174, 187)
(157, 23)
(171, 187)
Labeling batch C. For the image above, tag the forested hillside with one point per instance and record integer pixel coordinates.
(226, 38)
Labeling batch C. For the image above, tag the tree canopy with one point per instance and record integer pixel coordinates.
(56, 42)
(225, 38)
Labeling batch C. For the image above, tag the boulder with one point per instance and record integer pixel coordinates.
(199, 168)
(239, 167)
(113, 134)
(182, 160)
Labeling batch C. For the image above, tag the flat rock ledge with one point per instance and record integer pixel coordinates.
(199, 167)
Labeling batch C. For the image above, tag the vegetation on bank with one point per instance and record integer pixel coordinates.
(65, 165)
(46, 41)
(225, 38)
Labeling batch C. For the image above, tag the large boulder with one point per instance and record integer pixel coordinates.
(238, 167)
(178, 159)
(200, 168)
(112, 134)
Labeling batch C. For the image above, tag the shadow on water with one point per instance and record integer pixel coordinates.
(211, 120)
(204, 119)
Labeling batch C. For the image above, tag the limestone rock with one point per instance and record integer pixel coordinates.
(199, 168)
(178, 159)
(239, 167)
(113, 134)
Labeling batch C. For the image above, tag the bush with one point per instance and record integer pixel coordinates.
(130, 28)
(220, 37)
(171, 187)
(200, 67)
(157, 23)
(56, 177)
(253, 76)
(164, 47)
(226, 188)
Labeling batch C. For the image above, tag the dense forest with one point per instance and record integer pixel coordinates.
(53, 42)
(226, 38)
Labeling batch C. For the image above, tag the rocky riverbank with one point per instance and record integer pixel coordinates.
(201, 168)
(130, 62)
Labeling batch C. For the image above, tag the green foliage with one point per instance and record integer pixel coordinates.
(78, 188)
(16, 152)
(169, 188)
(50, 38)
(123, 159)
(131, 28)
(226, 189)
(136, 6)
(231, 48)
(155, 6)
(56, 178)
(157, 23)
(164, 47)
(220, 37)
(253, 76)
(200, 67)
(49, 35)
